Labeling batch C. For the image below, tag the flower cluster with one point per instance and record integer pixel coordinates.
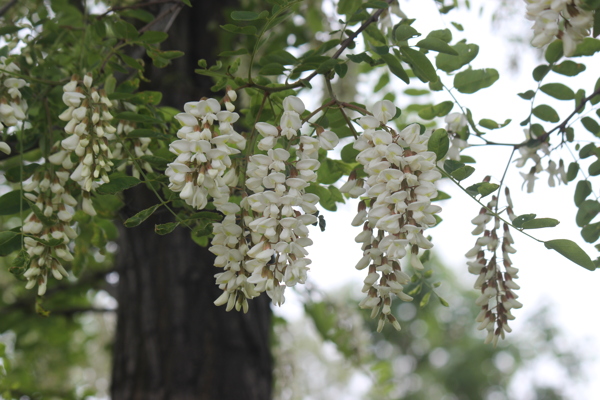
(563, 19)
(266, 251)
(496, 275)
(529, 151)
(48, 233)
(89, 134)
(203, 166)
(398, 188)
(13, 108)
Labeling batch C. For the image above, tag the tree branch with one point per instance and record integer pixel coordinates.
(7, 7)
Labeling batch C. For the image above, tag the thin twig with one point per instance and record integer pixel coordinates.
(7, 7)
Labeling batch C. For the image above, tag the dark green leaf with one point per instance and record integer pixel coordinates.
(538, 223)
(554, 51)
(341, 69)
(588, 47)
(124, 30)
(375, 4)
(466, 54)
(7, 30)
(242, 30)
(591, 125)
(438, 110)
(472, 80)
(135, 117)
(572, 251)
(521, 219)
(153, 37)
(486, 188)
(587, 150)
(594, 168)
(491, 124)
(582, 191)
(528, 95)
(572, 171)
(11, 203)
(9, 241)
(395, 67)
(591, 233)
(435, 44)
(439, 143)
(141, 216)
(164, 229)
(558, 91)
(442, 34)
(588, 209)
(462, 173)
(138, 133)
(14, 174)
(142, 15)
(420, 64)
(272, 69)
(540, 72)
(118, 184)
(452, 165)
(245, 15)
(349, 153)
(546, 113)
(568, 68)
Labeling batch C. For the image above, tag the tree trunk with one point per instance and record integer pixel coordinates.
(172, 342)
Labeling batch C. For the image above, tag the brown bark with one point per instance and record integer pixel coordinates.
(172, 342)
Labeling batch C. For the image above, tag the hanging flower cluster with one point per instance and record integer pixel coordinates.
(397, 209)
(203, 167)
(562, 19)
(13, 108)
(89, 129)
(47, 238)
(260, 244)
(530, 152)
(495, 274)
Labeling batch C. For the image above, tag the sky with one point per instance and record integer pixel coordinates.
(545, 277)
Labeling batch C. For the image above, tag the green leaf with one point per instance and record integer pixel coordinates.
(140, 217)
(272, 69)
(395, 66)
(7, 30)
(348, 7)
(153, 37)
(142, 15)
(462, 172)
(588, 47)
(591, 125)
(491, 124)
(375, 4)
(572, 251)
(14, 174)
(341, 69)
(124, 30)
(404, 32)
(582, 191)
(472, 80)
(528, 95)
(588, 209)
(591, 233)
(420, 64)
(466, 54)
(568, 68)
(138, 133)
(9, 241)
(118, 184)
(349, 153)
(438, 110)
(572, 171)
(594, 168)
(558, 91)
(416, 92)
(441, 196)
(435, 44)
(487, 188)
(452, 165)
(11, 203)
(538, 223)
(242, 30)
(540, 72)
(587, 150)
(167, 228)
(439, 143)
(245, 16)
(521, 219)
(546, 113)
(554, 51)
(131, 62)
(135, 117)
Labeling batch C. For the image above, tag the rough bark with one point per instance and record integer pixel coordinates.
(171, 341)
